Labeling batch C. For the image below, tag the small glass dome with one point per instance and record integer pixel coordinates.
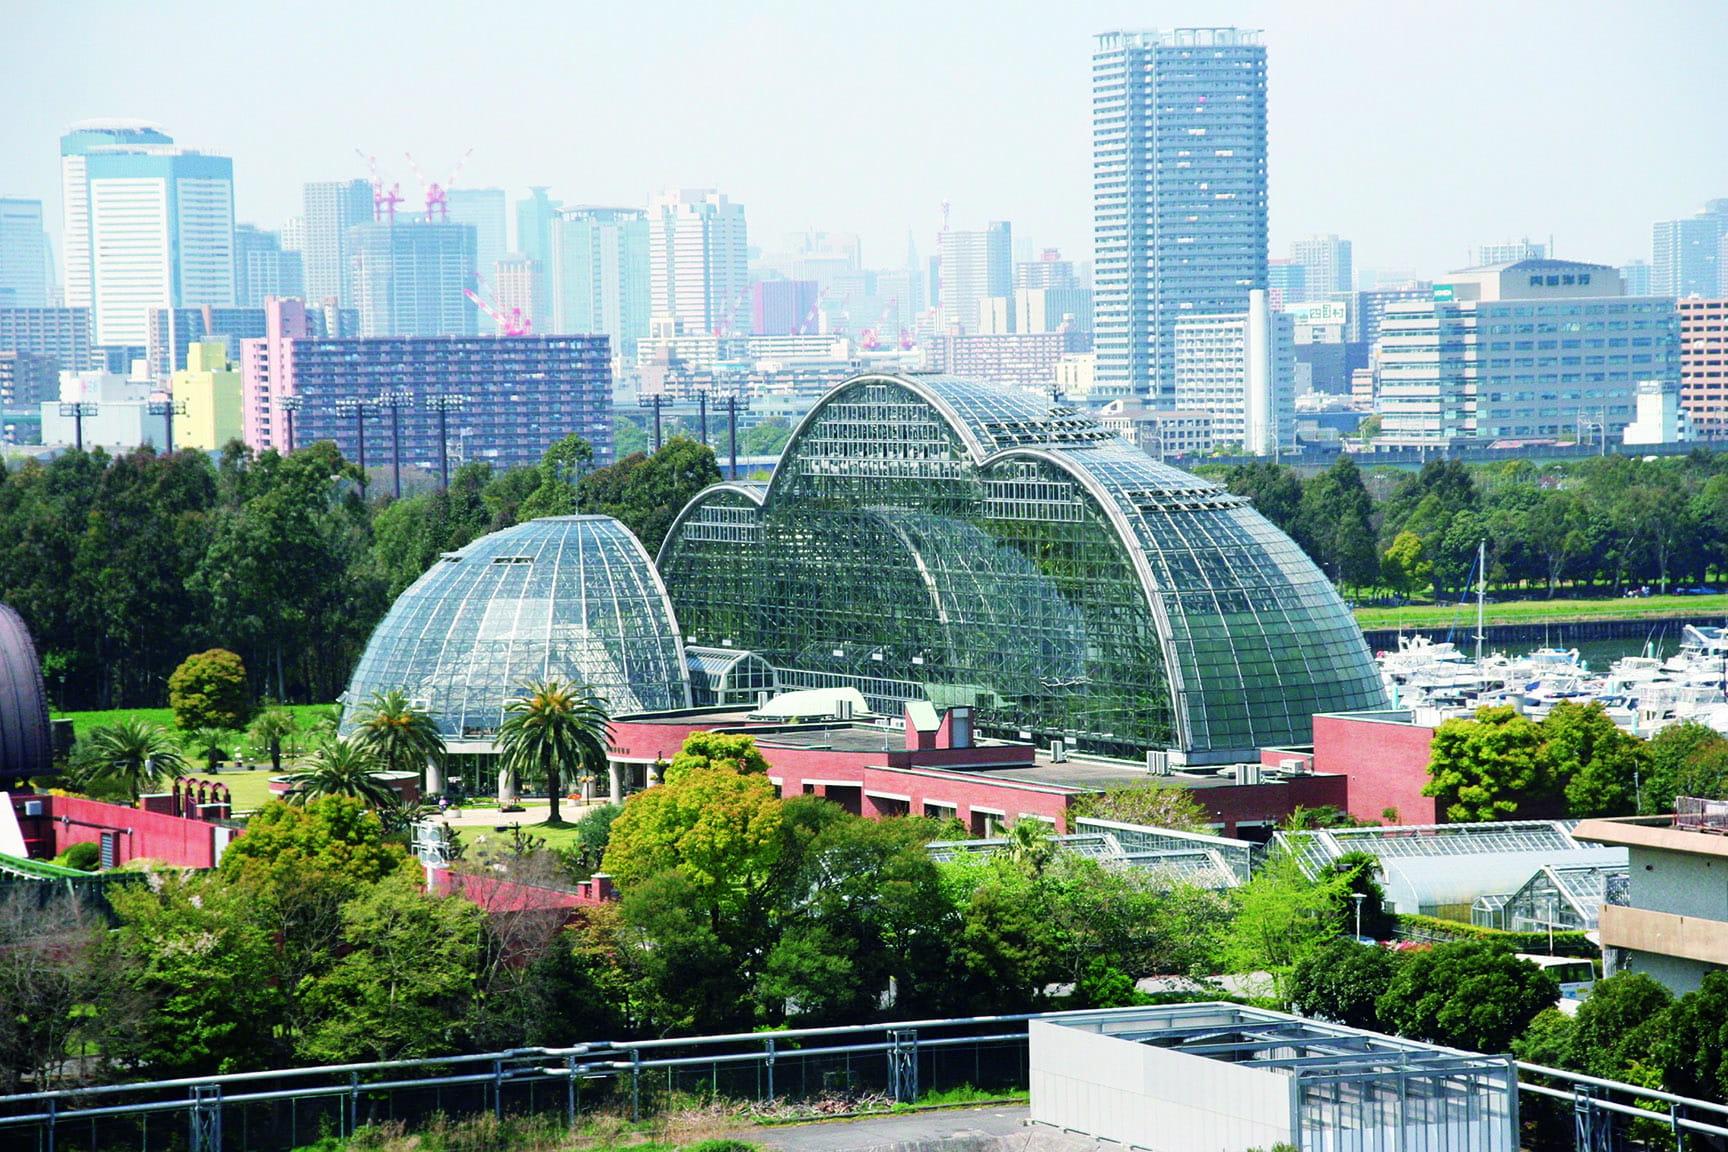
(572, 597)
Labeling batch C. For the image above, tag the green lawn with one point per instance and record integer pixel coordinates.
(305, 715)
(1543, 611)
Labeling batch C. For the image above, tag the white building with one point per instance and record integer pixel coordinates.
(1661, 419)
(329, 209)
(698, 264)
(599, 277)
(147, 225)
(1161, 434)
(1076, 375)
(1534, 349)
(1326, 266)
(114, 410)
(975, 265)
(1241, 368)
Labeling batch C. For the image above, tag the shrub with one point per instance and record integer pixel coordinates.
(85, 857)
(208, 690)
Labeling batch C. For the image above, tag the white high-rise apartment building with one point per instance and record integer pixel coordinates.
(23, 255)
(976, 266)
(1325, 263)
(1178, 193)
(698, 264)
(329, 209)
(600, 264)
(148, 225)
(1240, 367)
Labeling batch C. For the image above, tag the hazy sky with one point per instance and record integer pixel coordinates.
(1415, 130)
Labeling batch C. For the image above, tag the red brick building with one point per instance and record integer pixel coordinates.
(1704, 366)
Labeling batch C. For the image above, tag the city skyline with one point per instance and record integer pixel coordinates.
(1352, 150)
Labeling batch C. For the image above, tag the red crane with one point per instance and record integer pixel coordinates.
(438, 195)
(384, 200)
(510, 323)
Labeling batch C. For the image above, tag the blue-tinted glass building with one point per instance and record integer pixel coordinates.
(520, 395)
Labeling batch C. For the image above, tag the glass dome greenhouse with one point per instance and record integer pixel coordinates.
(571, 597)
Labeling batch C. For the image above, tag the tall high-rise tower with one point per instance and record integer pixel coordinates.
(329, 209)
(975, 267)
(1326, 266)
(1179, 193)
(600, 275)
(23, 254)
(698, 272)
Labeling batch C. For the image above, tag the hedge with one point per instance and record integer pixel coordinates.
(1435, 930)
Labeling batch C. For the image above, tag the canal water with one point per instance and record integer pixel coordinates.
(1660, 637)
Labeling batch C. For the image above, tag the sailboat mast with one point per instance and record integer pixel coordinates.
(1481, 595)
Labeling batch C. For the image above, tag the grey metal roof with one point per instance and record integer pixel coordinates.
(25, 746)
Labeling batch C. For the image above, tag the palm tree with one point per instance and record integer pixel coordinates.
(404, 737)
(273, 726)
(208, 744)
(554, 726)
(136, 754)
(1030, 844)
(340, 767)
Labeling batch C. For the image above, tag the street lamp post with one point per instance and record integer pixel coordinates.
(1358, 897)
(78, 411)
(732, 404)
(357, 409)
(702, 410)
(444, 404)
(394, 400)
(289, 406)
(167, 408)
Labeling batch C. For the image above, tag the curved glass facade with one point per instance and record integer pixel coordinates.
(931, 537)
(25, 747)
(573, 597)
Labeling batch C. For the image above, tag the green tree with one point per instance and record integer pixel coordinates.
(561, 470)
(1616, 1028)
(1273, 488)
(734, 752)
(765, 437)
(1334, 524)
(682, 975)
(1493, 767)
(554, 728)
(1599, 763)
(1685, 759)
(647, 492)
(1468, 995)
(341, 767)
(271, 727)
(134, 754)
(209, 745)
(403, 738)
(593, 831)
(1404, 566)
(1343, 981)
(406, 979)
(1360, 872)
(1691, 1040)
(1281, 919)
(1152, 805)
(1005, 952)
(1031, 844)
(208, 690)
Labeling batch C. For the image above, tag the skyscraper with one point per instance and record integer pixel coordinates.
(487, 210)
(975, 266)
(1179, 193)
(329, 209)
(600, 275)
(1684, 253)
(23, 255)
(263, 269)
(1635, 274)
(408, 279)
(1325, 264)
(156, 224)
(698, 270)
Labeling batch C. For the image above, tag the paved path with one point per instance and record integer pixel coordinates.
(905, 1130)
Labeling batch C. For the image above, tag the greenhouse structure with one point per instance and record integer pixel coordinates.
(1565, 898)
(929, 537)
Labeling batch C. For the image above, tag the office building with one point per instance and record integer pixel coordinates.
(1635, 275)
(1540, 349)
(23, 255)
(207, 399)
(976, 265)
(920, 543)
(1509, 252)
(519, 278)
(1704, 366)
(1020, 360)
(1368, 308)
(698, 267)
(1241, 368)
(1052, 310)
(1668, 918)
(172, 331)
(1048, 271)
(329, 209)
(534, 216)
(60, 334)
(1325, 264)
(115, 412)
(409, 279)
(780, 307)
(263, 268)
(26, 380)
(521, 394)
(147, 225)
(600, 275)
(1287, 282)
(1684, 253)
(487, 211)
(1179, 193)
(1163, 434)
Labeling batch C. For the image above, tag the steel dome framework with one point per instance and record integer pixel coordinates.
(931, 537)
(573, 597)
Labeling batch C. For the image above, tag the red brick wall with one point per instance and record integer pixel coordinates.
(1386, 762)
(70, 820)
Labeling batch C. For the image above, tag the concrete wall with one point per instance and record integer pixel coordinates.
(1115, 1089)
(140, 835)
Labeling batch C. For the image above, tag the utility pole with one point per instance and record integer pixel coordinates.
(167, 408)
(289, 406)
(394, 401)
(357, 409)
(78, 411)
(656, 402)
(732, 405)
(444, 404)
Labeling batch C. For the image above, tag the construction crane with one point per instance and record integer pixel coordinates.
(384, 200)
(438, 195)
(510, 322)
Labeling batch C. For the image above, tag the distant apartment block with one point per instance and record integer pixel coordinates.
(410, 279)
(1025, 360)
(329, 209)
(779, 307)
(1685, 253)
(1240, 367)
(698, 264)
(264, 268)
(976, 265)
(520, 394)
(171, 331)
(1326, 265)
(60, 334)
(1704, 366)
(1163, 434)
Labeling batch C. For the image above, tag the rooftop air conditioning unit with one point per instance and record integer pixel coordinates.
(842, 709)
(1295, 765)
(1058, 752)
(1158, 762)
(762, 698)
(1247, 773)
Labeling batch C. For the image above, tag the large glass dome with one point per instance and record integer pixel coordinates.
(25, 748)
(573, 597)
(931, 537)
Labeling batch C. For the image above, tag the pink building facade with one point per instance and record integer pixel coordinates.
(267, 374)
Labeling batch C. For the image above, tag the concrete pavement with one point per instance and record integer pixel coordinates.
(989, 1129)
